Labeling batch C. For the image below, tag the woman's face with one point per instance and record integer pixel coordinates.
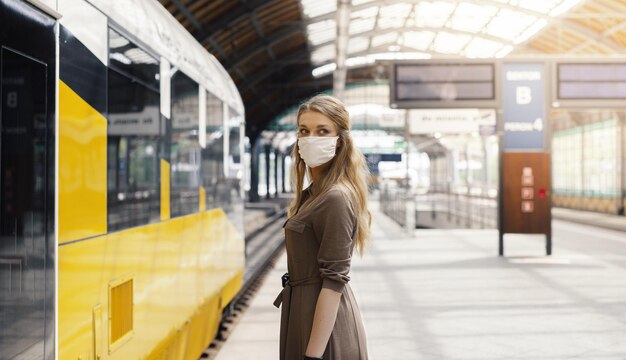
(312, 123)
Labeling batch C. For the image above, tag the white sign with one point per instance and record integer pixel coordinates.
(145, 122)
(452, 121)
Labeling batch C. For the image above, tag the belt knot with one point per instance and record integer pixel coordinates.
(288, 284)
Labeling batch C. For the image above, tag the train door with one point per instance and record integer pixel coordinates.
(27, 116)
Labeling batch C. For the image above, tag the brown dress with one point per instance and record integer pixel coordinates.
(320, 241)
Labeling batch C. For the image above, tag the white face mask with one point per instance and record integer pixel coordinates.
(317, 150)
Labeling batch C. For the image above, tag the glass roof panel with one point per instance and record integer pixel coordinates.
(532, 30)
(313, 8)
(419, 40)
(542, 6)
(449, 43)
(471, 17)
(433, 14)
(508, 24)
(482, 48)
(564, 6)
(365, 13)
(358, 44)
(384, 39)
(322, 31)
(447, 25)
(323, 54)
(358, 26)
(359, 2)
(504, 51)
(393, 16)
(396, 10)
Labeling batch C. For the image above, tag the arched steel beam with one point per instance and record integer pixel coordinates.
(270, 40)
(271, 69)
(294, 78)
(189, 16)
(231, 17)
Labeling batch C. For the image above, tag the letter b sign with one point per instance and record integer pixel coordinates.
(523, 95)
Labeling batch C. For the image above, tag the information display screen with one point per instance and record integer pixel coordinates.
(591, 81)
(414, 83)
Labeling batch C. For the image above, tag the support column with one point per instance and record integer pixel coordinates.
(283, 173)
(276, 154)
(621, 165)
(268, 148)
(255, 148)
(341, 46)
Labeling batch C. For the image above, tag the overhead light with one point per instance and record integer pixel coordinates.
(394, 48)
(324, 69)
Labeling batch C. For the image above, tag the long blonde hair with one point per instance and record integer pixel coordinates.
(347, 168)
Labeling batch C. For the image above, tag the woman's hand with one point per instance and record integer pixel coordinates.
(323, 321)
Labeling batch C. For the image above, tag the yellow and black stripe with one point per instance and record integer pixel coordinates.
(82, 142)
(82, 71)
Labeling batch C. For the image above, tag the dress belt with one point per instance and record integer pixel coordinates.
(286, 292)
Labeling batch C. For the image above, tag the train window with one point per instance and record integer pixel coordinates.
(133, 135)
(213, 154)
(235, 170)
(234, 141)
(133, 61)
(184, 147)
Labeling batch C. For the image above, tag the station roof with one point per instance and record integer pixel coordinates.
(273, 48)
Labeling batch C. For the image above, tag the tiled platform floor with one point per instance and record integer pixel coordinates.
(445, 294)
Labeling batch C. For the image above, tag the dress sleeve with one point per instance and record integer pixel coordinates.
(335, 226)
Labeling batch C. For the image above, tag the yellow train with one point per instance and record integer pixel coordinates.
(121, 205)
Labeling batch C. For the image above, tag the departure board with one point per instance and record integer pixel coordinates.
(589, 81)
(415, 85)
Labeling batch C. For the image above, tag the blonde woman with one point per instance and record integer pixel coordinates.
(320, 318)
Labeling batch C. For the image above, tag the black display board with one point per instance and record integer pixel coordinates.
(431, 85)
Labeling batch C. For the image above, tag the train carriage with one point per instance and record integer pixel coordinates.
(121, 211)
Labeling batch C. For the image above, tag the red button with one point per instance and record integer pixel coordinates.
(542, 193)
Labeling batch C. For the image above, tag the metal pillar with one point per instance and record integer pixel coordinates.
(268, 149)
(282, 166)
(276, 154)
(621, 169)
(255, 149)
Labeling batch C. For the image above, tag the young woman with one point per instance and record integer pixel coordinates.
(320, 318)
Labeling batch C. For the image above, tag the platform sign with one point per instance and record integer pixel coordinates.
(524, 113)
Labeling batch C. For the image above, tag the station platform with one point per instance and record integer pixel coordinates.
(445, 294)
